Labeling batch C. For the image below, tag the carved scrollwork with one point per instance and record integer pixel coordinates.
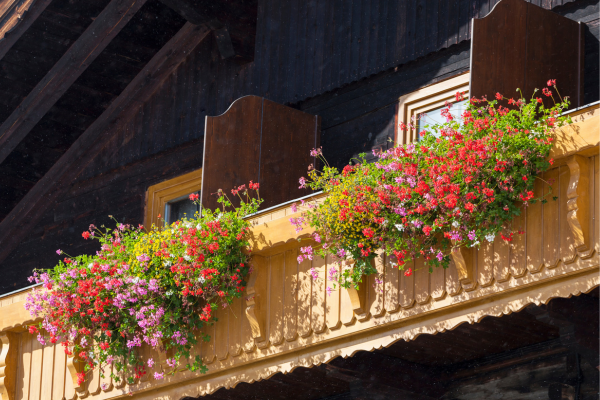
(75, 366)
(358, 299)
(6, 384)
(578, 206)
(256, 296)
(463, 259)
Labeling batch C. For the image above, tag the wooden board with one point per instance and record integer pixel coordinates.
(261, 141)
(520, 45)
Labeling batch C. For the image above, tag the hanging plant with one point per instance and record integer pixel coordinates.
(156, 287)
(460, 185)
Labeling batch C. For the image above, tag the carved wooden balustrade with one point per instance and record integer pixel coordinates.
(286, 318)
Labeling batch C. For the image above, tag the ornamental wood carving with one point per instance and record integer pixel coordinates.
(256, 293)
(578, 205)
(74, 366)
(463, 260)
(9, 345)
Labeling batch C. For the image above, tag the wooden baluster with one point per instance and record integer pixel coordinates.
(304, 298)
(276, 288)
(501, 259)
(376, 286)
(346, 307)
(60, 371)
(208, 348)
(47, 368)
(291, 288)
(550, 228)
(518, 262)
(392, 286)
(221, 338)
(453, 285)
(407, 285)
(438, 283)
(24, 372)
(422, 288)
(533, 234)
(318, 298)
(332, 300)
(37, 359)
(485, 263)
(236, 315)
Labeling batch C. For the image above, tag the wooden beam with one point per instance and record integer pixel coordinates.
(16, 19)
(57, 180)
(64, 73)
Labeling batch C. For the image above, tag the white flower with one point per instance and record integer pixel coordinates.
(169, 293)
(400, 227)
(490, 238)
(187, 258)
(385, 222)
(167, 263)
(198, 226)
(455, 224)
(475, 243)
(90, 265)
(136, 279)
(201, 279)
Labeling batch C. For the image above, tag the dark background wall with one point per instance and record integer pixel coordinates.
(348, 64)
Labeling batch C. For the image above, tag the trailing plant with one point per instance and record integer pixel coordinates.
(460, 184)
(157, 287)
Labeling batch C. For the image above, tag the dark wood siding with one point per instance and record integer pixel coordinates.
(346, 61)
(305, 49)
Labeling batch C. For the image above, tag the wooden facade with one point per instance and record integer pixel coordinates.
(107, 108)
(286, 319)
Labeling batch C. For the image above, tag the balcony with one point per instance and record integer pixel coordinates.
(286, 319)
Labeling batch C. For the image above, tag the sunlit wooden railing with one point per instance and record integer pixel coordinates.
(286, 319)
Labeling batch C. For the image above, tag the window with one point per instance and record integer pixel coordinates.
(179, 208)
(169, 199)
(430, 101)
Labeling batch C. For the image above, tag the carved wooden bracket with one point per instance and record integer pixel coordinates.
(358, 299)
(75, 365)
(463, 259)
(256, 300)
(578, 205)
(8, 364)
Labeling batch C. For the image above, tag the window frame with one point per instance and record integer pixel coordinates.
(157, 196)
(426, 99)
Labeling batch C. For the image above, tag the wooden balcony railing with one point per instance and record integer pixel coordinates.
(286, 319)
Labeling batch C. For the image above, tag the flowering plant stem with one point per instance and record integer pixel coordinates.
(461, 183)
(157, 287)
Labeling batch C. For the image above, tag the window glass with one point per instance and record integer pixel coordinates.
(179, 208)
(434, 116)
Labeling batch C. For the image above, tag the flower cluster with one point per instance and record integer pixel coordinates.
(156, 287)
(460, 184)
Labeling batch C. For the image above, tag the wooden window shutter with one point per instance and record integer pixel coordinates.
(520, 45)
(259, 140)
